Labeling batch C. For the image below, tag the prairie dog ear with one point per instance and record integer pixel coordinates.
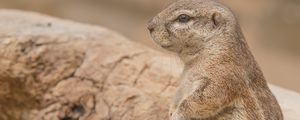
(217, 19)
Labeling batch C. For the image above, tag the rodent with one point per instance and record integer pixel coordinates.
(221, 79)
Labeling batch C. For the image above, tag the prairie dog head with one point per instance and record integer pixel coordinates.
(187, 24)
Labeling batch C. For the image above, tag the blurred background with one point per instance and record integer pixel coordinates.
(271, 27)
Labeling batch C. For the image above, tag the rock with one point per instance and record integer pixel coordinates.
(54, 69)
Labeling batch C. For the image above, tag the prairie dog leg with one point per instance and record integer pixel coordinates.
(204, 102)
(178, 116)
(182, 92)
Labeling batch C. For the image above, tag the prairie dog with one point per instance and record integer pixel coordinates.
(221, 79)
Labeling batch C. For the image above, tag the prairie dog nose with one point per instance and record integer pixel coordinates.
(151, 28)
(152, 24)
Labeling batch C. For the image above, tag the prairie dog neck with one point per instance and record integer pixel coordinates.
(211, 49)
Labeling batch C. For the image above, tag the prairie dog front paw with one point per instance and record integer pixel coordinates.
(178, 116)
(172, 110)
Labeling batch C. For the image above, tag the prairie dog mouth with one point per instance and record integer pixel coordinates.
(167, 45)
(164, 43)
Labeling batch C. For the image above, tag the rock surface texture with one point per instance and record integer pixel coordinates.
(54, 69)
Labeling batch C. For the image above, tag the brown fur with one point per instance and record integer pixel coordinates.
(221, 79)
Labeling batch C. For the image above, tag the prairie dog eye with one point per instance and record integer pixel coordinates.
(184, 18)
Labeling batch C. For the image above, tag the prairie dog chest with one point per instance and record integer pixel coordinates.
(192, 79)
